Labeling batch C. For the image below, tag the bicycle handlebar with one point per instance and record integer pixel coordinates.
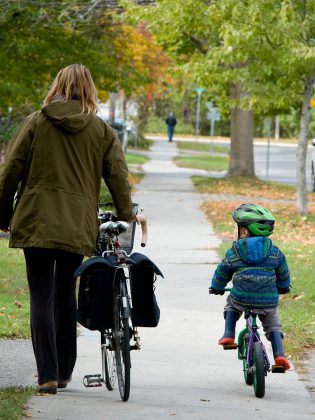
(113, 228)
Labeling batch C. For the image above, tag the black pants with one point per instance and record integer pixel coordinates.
(53, 311)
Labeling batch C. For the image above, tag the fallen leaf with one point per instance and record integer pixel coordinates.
(298, 297)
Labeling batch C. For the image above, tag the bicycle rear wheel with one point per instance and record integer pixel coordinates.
(108, 362)
(259, 370)
(121, 338)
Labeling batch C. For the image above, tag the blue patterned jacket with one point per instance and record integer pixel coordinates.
(257, 269)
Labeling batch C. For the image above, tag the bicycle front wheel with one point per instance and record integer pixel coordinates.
(248, 374)
(108, 362)
(121, 338)
(258, 370)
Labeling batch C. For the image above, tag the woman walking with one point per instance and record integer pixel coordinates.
(55, 163)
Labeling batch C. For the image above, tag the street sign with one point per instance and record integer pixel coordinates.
(209, 105)
(199, 90)
(213, 115)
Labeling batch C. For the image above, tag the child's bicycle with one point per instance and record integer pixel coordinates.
(253, 353)
(116, 239)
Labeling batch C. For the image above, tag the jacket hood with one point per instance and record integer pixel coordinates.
(254, 249)
(67, 115)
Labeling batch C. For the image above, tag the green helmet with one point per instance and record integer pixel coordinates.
(258, 220)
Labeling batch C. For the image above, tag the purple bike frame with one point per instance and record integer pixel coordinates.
(254, 337)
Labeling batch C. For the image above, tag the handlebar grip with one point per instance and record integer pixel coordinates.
(144, 229)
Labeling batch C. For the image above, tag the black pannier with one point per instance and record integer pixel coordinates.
(95, 299)
(145, 311)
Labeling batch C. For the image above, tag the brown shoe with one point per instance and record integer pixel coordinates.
(48, 388)
(63, 384)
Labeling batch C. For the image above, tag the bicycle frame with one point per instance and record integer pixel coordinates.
(252, 328)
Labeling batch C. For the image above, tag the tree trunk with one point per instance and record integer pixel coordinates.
(302, 147)
(242, 136)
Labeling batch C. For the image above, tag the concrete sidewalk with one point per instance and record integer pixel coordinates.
(180, 370)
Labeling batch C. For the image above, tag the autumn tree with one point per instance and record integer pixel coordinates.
(253, 55)
(38, 38)
(145, 65)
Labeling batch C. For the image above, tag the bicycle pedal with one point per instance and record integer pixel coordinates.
(230, 346)
(278, 369)
(135, 347)
(91, 381)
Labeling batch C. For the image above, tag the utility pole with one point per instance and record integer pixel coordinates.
(199, 91)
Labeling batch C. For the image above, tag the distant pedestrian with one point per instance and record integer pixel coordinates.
(55, 161)
(171, 122)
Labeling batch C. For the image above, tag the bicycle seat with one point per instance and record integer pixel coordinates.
(250, 312)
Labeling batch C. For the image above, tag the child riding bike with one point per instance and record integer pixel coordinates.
(259, 273)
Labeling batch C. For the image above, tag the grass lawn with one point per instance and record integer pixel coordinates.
(207, 163)
(132, 159)
(247, 187)
(295, 237)
(14, 299)
(13, 402)
(202, 147)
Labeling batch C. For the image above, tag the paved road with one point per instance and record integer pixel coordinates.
(282, 163)
(180, 371)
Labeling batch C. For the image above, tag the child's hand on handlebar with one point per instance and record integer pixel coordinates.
(283, 291)
(213, 291)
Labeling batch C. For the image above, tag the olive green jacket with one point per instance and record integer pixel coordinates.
(56, 161)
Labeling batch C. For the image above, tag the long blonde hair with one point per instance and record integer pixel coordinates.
(74, 81)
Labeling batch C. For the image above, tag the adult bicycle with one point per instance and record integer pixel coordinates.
(253, 354)
(116, 241)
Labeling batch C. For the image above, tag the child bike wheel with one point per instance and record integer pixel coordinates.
(121, 340)
(108, 364)
(248, 374)
(258, 370)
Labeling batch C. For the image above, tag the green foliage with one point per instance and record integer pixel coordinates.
(39, 38)
(37, 41)
(264, 46)
(141, 144)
